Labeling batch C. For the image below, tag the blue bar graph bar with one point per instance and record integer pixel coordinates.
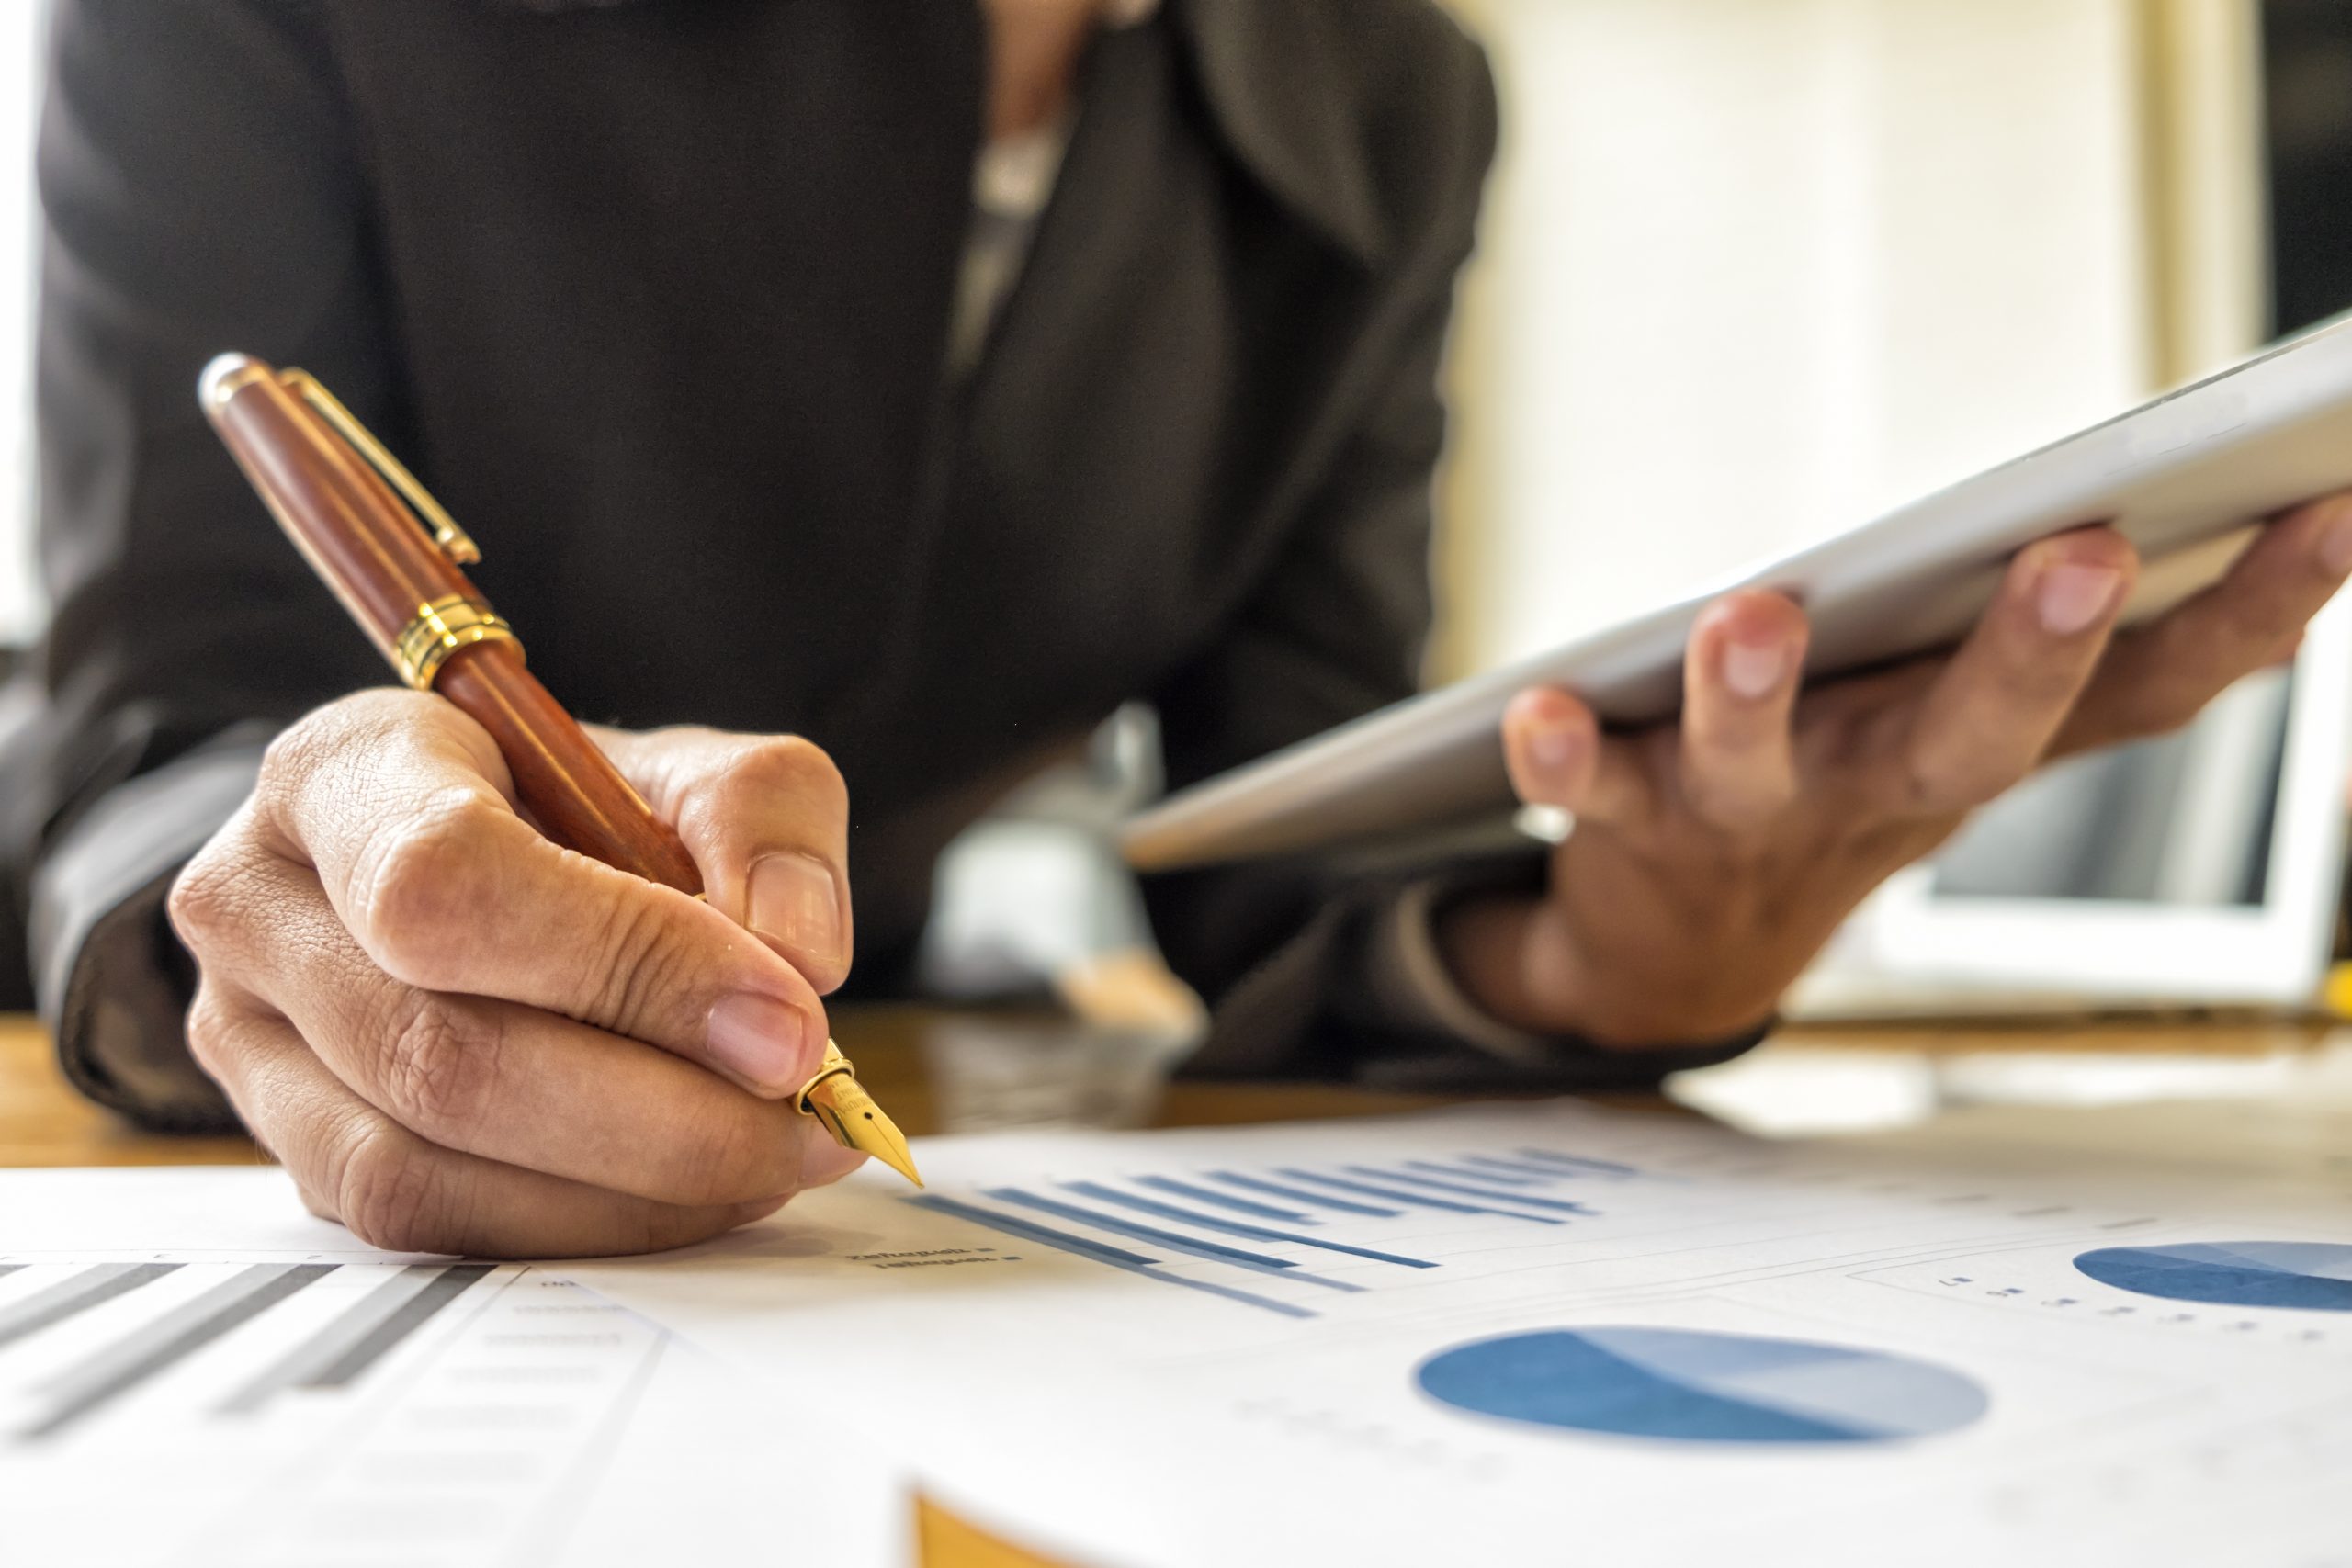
(1493, 1178)
(1095, 1251)
(1222, 1200)
(1413, 1199)
(1461, 1190)
(1548, 1157)
(1100, 1252)
(1549, 1173)
(1101, 1193)
(1214, 1251)
(1235, 1178)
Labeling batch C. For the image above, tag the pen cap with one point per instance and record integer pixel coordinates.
(360, 538)
(391, 556)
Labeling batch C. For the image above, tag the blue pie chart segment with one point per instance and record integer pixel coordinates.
(2314, 1275)
(1691, 1387)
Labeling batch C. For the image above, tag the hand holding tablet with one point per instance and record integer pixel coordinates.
(1714, 856)
(1733, 806)
(2185, 479)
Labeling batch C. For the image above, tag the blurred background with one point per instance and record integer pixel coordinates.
(1758, 269)
(1752, 271)
(20, 62)
(1755, 269)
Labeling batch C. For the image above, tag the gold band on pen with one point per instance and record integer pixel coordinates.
(439, 629)
(834, 1065)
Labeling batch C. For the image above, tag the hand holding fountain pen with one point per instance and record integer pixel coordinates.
(391, 555)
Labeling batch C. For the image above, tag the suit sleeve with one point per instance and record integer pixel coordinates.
(201, 195)
(1311, 970)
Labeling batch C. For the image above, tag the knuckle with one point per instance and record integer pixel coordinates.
(303, 747)
(440, 1065)
(418, 889)
(2247, 620)
(1931, 784)
(217, 891)
(293, 752)
(787, 762)
(211, 1029)
(642, 962)
(1745, 813)
(390, 1195)
(1738, 782)
(204, 897)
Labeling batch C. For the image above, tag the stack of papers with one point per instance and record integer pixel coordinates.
(1528, 1334)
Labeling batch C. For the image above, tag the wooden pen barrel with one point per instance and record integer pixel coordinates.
(580, 799)
(377, 556)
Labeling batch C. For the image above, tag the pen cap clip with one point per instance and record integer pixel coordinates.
(447, 537)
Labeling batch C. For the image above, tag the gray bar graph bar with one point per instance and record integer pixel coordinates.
(99, 1283)
(411, 1316)
(362, 1334)
(81, 1390)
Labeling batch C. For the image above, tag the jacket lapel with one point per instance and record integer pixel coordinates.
(1286, 81)
(1255, 59)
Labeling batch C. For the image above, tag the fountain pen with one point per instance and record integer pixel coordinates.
(391, 555)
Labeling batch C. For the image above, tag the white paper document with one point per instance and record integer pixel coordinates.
(193, 1370)
(1552, 1334)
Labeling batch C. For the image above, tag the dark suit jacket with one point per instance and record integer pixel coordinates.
(655, 295)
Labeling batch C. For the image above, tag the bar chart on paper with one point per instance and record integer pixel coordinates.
(1487, 1327)
(376, 1309)
(301, 1409)
(1277, 1223)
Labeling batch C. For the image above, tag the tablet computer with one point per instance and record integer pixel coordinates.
(2188, 478)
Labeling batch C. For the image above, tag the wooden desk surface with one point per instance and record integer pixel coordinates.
(43, 1124)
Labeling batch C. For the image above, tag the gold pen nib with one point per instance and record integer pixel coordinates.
(835, 1098)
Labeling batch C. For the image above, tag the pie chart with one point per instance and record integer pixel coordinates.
(2314, 1275)
(1692, 1386)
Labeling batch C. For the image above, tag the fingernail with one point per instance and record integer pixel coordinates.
(793, 903)
(2335, 545)
(1556, 749)
(2070, 598)
(1754, 670)
(769, 1044)
(823, 1160)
